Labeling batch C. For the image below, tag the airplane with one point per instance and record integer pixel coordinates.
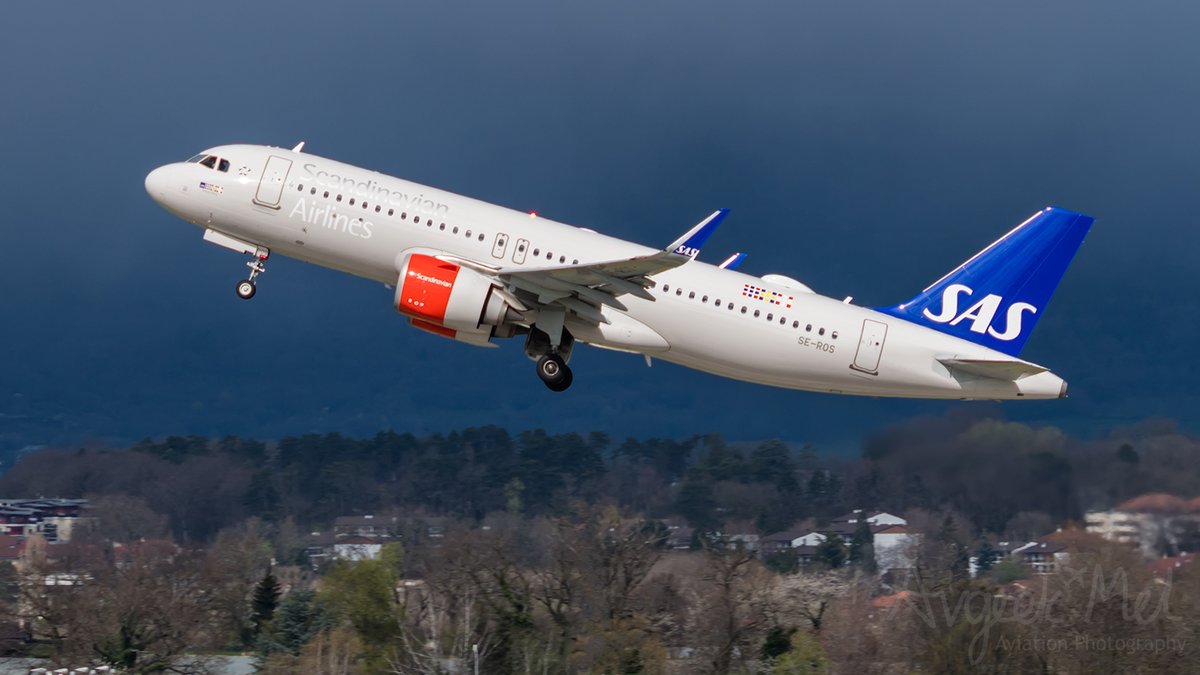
(474, 272)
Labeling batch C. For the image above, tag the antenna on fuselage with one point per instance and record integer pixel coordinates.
(299, 147)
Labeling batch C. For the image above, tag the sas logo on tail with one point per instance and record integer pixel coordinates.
(981, 313)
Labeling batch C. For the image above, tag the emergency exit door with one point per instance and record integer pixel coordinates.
(870, 347)
(270, 185)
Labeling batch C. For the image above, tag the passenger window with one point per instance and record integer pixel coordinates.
(666, 288)
(352, 201)
(455, 228)
(821, 332)
(678, 291)
(795, 324)
(209, 161)
(379, 208)
(705, 300)
(223, 166)
(326, 195)
(756, 313)
(691, 295)
(770, 317)
(731, 306)
(833, 335)
(808, 328)
(312, 191)
(339, 198)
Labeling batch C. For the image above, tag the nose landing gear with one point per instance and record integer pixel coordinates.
(246, 287)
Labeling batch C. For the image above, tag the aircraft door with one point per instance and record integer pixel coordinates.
(499, 246)
(270, 186)
(870, 347)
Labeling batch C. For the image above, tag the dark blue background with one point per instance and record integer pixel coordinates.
(865, 147)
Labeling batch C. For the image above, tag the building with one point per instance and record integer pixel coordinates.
(891, 538)
(356, 548)
(1158, 524)
(55, 519)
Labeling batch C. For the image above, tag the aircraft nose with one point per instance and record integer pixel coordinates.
(157, 183)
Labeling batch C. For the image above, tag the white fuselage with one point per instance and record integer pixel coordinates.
(711, 319)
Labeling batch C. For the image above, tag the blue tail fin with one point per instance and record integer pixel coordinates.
(996, 297)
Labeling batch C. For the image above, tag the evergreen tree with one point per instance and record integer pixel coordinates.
(862, 546)
(299, 618)
(266, 599)
(696, 503)
(985, 556)
(1127, 454)
(831, 552)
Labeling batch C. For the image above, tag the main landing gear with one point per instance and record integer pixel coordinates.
(551, 350)
(246, 288)
(554, 371)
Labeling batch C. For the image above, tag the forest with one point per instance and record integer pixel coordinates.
(551, 555)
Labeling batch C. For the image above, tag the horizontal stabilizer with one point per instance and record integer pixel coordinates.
(1009, 371)
(733, 262)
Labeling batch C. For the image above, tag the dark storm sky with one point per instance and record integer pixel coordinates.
(865, 148)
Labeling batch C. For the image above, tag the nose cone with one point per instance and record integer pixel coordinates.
(158, 184)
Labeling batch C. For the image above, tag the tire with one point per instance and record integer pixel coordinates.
(554, 372)
(246, 289)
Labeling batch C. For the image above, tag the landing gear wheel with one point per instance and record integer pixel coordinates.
(554, 372)
(246, 289)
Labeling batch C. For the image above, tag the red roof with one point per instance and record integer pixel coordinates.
(1172, 565)
(1156, 502)
(11, 546)
(889, 601)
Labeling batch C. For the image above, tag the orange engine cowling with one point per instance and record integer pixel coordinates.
(450, 300)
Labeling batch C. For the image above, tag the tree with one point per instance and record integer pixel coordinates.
(301, 615)
(804, 657)
(985, 556)
(862, 546)
(695, 502)
(363, 594)
(266, 599)
(831, 552)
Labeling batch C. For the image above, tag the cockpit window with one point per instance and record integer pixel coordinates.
(209, 161)
(223, 165)
(197, 158)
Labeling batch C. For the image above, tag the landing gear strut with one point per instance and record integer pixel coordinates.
(554, 371)
(246, 288)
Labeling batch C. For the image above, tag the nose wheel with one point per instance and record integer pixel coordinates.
(555, 372)
(246, 287)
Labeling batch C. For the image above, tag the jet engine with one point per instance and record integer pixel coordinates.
(452, 301)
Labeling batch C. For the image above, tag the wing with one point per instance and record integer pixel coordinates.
(584, 289)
